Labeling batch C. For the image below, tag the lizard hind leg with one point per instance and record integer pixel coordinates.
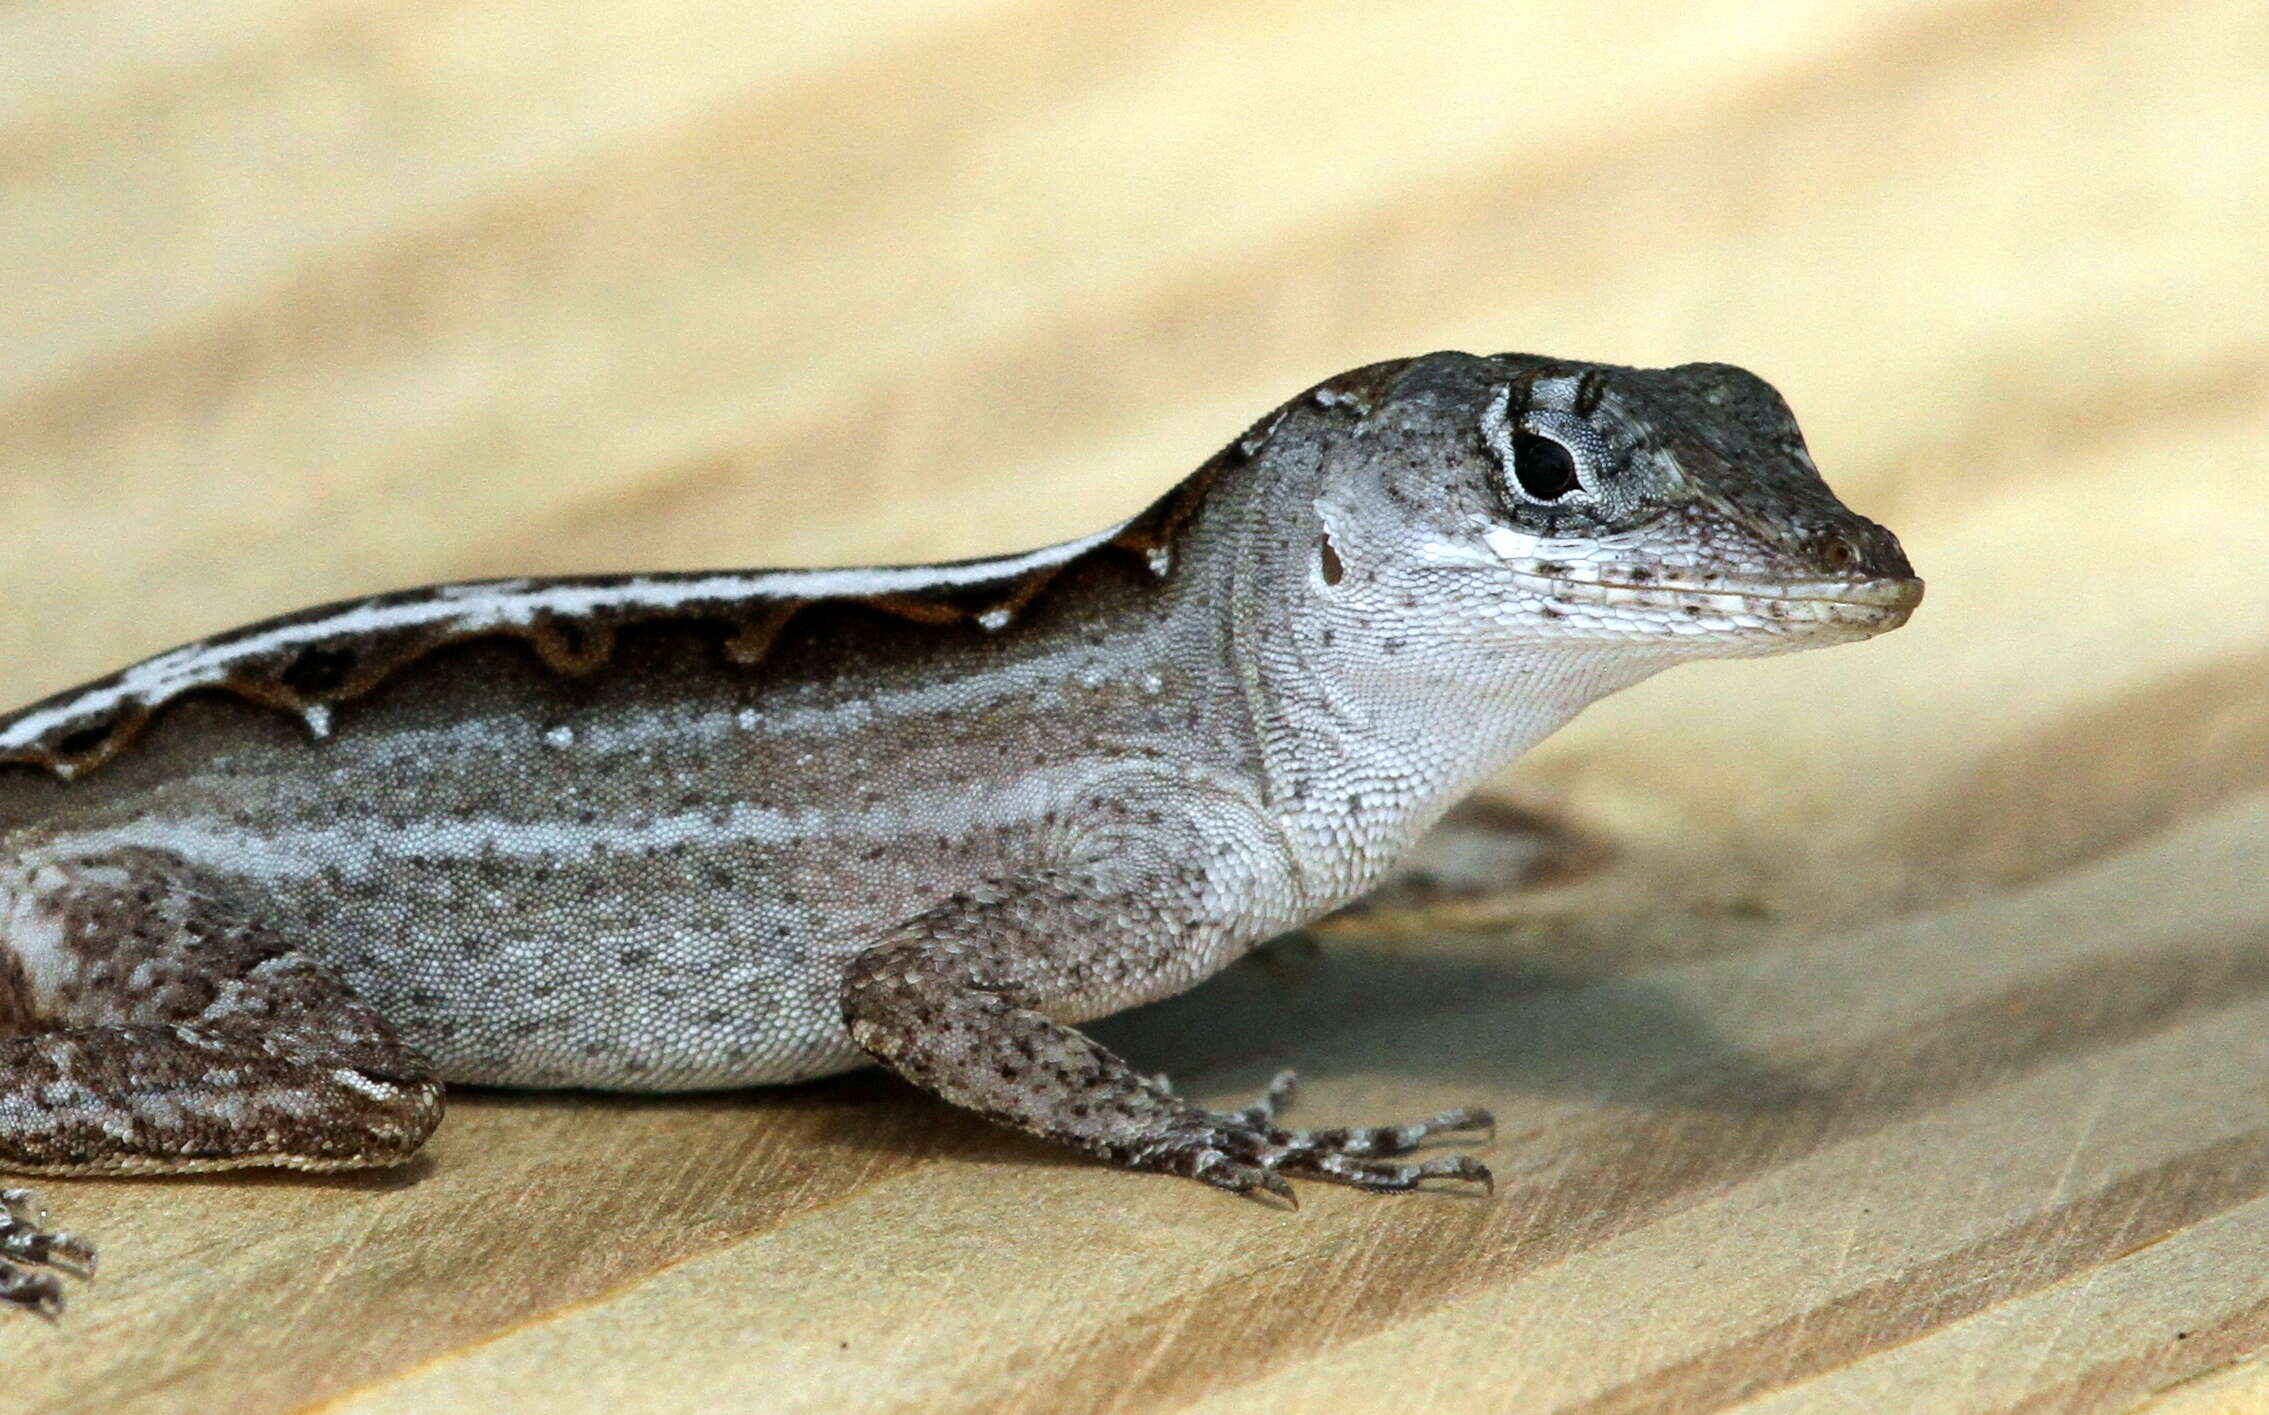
(151, 1024)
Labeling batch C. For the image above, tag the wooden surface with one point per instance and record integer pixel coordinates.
(1885, 1029)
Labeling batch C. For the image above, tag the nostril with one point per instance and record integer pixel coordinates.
(1864, 551)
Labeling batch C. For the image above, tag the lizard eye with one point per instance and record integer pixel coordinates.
(1550, 458)
(1545, 470)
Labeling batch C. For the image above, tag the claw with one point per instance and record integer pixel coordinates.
(24, 1243)
(1219, 1170)
(1459, 1167)
(65, 1250)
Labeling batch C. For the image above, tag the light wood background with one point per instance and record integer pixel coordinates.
(1888, 1029)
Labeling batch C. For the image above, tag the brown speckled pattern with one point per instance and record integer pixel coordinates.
(162, 1028)
(175, 1030)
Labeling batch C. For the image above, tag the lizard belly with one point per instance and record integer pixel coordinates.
(680, 971)
(704, 1011)
(611, 955)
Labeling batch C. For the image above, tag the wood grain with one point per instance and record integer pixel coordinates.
(1884, 1030)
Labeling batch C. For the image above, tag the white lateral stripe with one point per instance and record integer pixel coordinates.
(356, 848)
(473, 608)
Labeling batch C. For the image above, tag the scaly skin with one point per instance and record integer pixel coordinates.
(261, 896)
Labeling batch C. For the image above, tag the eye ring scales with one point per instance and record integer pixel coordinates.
(1550, 458)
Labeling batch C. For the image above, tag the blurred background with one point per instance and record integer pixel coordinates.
(309, 298)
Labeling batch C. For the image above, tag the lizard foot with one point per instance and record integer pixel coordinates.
(25, 1241)
(1245, 1150)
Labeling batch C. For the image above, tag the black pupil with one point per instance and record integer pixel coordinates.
(1544, 468)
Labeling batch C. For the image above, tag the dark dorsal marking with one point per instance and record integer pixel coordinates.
(1590, 388)
(310, 673)
(319, 669)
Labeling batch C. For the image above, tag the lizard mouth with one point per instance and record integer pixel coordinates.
(1867, 607)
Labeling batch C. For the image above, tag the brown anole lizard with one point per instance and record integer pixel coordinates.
(260, 897)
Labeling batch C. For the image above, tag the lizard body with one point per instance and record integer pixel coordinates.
(261, 896)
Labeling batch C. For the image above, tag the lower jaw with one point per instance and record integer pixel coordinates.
(1749, 631)
(1810, 631)
(1685, 612)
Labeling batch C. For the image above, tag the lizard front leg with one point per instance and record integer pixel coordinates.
(159, 1027)
(959, 1002)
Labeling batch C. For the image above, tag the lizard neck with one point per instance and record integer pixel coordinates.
(1366, 735)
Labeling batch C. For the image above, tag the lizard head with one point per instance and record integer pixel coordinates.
(1517, 498)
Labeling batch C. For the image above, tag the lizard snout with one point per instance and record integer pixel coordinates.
(1857, 550)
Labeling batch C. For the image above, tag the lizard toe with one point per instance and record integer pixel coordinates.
(1389, 1176)
(1388, 1139)
(32, 1291)
(25, 1239)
